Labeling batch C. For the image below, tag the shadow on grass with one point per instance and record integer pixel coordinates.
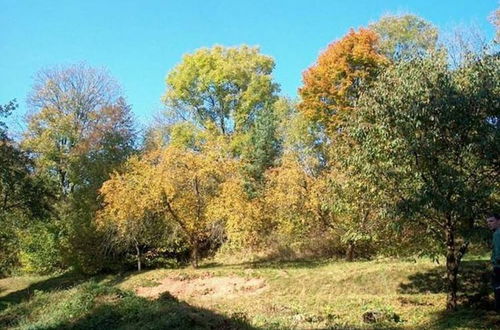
(97, 306)
(465, 318)
(474, 283)
(60, 282)
(166, 312)
(475, 305)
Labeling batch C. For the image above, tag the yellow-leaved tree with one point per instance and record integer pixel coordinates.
(175, 184)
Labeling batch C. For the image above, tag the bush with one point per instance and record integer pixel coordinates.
(39, 249)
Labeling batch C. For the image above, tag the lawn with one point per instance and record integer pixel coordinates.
(261, 295)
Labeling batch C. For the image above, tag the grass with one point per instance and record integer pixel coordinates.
(301, 294)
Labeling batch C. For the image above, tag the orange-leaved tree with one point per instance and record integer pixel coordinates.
(333, 84)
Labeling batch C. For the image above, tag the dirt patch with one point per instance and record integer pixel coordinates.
(206, 287)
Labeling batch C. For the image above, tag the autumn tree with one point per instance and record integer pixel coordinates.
(333, 84)
(79, 130)
(68, 106)
(127, 223)
(329, 96)
(402, 37)
(428, 136)
(177, 184)
(229, 90)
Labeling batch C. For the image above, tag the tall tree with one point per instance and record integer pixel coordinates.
(405, 36)
(68, 104)
(223, 86)
(332, 87)
(230, 90)
(333, 84)
(80, 130)
(429, 136)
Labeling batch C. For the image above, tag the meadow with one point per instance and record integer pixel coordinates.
(384, 293)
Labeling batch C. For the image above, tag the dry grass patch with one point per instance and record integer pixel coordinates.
(212, 287)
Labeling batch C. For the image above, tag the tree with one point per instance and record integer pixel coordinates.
(80, 130)
(332, 87)
(70, 106)
(22, 195)
(224, 86)
(261, 150)
(405, 36)
(176, 184)
(123, 218)
(333, 84)
(428, 136)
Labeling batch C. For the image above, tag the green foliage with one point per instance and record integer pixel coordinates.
(261, 150)
(23, 196)
(39, 249)
(403, 37)
(5, 111)
(428, 136)
(224, 86)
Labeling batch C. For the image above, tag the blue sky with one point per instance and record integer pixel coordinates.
(140, 41)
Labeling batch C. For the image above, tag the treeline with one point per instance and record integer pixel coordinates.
(393, 148)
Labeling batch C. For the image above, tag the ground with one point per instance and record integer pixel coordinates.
(281, 295)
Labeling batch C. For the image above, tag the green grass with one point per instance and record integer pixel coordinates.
(302, 294)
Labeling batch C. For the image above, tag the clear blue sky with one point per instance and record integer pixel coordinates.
(140, 41)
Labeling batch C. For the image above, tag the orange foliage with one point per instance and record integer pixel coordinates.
(334, 82)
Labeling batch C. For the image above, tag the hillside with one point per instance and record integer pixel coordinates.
(281, 295)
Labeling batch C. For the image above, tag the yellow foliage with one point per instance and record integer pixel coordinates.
(177, 184)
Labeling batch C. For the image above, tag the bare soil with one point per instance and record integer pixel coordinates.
(205, 287)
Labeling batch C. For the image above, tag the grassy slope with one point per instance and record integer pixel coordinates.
(298, 295)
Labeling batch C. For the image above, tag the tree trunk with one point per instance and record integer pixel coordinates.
(350, 251)
(194, 256)
(453, 259)
(138, 251)
(451, 270)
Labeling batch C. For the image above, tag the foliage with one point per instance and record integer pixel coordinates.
(261, 150)
(80, 131)
(403, 37)
(333, 84)
(177, 185)
(224, 86)
(428, 136)
(39, 250)
(23, 196)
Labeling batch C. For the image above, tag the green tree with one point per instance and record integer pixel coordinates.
(261, 150)
(405, 36)
(80, 130)
(23, 197)
(224, 86)
(229, 90)
(429, 136)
